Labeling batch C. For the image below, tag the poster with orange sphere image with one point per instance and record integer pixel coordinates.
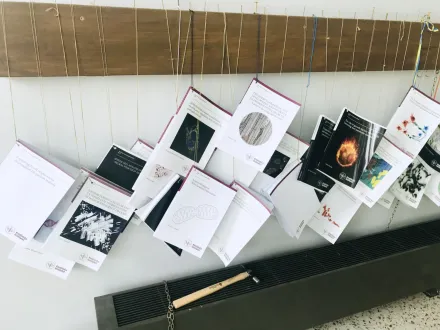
(350, 148)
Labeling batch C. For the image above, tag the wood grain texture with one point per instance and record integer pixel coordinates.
(106, 42)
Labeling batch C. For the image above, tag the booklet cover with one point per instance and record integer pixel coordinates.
(57, 214)
(31, 188)
(142, 149)
(33, 256)
(244, 217)
(350, 148)
(320, 139)
(290, 150)
(121, 167)
(258, 125)
(195, 212)
(154, 211)
(387, 163)
(92, 224)
(411, 184)
(295, 202)
(191, 136)
(337, 209)
(414, 122)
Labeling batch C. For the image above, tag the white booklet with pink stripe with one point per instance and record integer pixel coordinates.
(258, 125)
(247, 213)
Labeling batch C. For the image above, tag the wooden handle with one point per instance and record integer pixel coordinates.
(209, 290)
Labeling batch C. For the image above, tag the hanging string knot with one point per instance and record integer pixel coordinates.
(56, 14)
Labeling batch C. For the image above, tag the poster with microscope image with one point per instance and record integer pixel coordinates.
(194, 214)
(350, 149)
(414, 122)
(92, 224)
(190, 138)
(258, 125)
(411, 184)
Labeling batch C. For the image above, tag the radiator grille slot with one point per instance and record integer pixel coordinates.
(149, 302)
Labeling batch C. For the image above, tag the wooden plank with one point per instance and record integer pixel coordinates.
(106, 42)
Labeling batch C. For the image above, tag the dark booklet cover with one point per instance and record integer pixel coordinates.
(155, 217)
(430, 157)
(309, 173)
(121, 167)
(350, 148)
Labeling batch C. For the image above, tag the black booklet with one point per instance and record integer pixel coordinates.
(155, 217)
(430, 156)
(121, 167)
(309, 173)
(350, 148)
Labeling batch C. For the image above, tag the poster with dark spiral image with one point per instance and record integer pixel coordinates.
(93, 227)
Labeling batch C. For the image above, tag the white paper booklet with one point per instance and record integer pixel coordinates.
(432, 191)
(145, 210)
(224, 167)
(337, 209)
(49, 225)
(295, 202)
(290, 149)
(414, 122)
(245, 216)
(258, 125)
(386, 200)
(33, 256)
(191, 137)
(411, 184)
(195, 212)
(92, 223)
(387, 163)
(142, 149)
(31, 187)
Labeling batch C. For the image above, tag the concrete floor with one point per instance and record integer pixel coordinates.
(413, 313)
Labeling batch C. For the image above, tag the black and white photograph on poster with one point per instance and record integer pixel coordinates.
(255, 128)
(276, 164)
(350, 148)
(93, 227)
(121, 167)
(192, 138)
(411, 184)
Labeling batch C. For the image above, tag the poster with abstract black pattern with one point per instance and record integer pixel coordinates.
(93, 227)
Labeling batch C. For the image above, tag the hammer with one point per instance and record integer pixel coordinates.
(211, 289)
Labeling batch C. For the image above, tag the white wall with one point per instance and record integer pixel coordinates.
(30, 299)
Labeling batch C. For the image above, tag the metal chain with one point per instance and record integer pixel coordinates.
(392, 215)
(437, 72)
(170, 311)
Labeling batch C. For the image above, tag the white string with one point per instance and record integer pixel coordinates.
(407, 43)
(284, 45)
(38, 63)
(104, 64)
(178, 56)
(137, 67)
(186, 44)
(265, 39)
(72, 14)
(366, 65)
(203, 48)
(303, 108)
(223, 57)
(337, 63)
(67, 79)
(384, 61)
(169, 37)
(8, 69)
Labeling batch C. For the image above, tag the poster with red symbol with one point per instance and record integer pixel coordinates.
(337, 209)
(350, 148)
(414, 122)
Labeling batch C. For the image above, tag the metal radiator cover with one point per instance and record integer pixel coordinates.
(297, 291)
